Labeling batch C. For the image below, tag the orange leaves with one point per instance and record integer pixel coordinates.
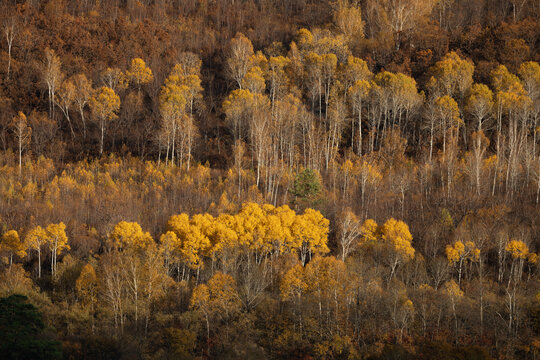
(359, 91)
(54, 235)
(502, 79)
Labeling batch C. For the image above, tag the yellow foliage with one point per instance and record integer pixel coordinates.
(129, 235)
(105, 103)
(518, 249)
(192, 235)
(451, 288)
(139, 72)
(12, 243)
(369, 231)
(310, 234)
(35, 238)
(396, 233)
(293, 284)
(86, 284)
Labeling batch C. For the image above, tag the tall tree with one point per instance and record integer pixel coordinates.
(239, 58)
(57, 241)
(52, 76)
(139, 73)
(23, 134)
(11, 29)
(104, 104)
(11, 243)
(82, 95)
(35, 239)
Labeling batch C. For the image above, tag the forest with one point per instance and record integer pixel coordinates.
(258, 179)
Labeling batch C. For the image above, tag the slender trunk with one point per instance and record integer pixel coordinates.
(102, 136)
(39, 261)
(81, 111)
(207, 336)
(9, 38)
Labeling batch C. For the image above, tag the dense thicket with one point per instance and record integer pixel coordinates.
(273, 179)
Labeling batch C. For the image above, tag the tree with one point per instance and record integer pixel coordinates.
(87, 289)
(188, 128)
(452, 290)
(170, 246)
(292, 287)
(480, 103)
(139, 73)
(452, 75)
(82, 95)
(192, 237)
(115, 79)
(13, 245)
(277, 77)
(65, 99)
(358, 93)
(397, 238)
(475, 158)
(348, 19)
(44, 132)
(57, 241)
(349, 233)
(238, 109)
(309, 235)
(52, 76)
(254, 80)
(239, 58)
(200, 300)
(21, 325)
(34, 240)
(459, 253)
(129, 236)
(447, 114)
(368, 175)
(219, 299)
(306, 187)
(402, 15)
(10, 31)
(172, 100)
(529, 73)
(23, 134)
(104, 104)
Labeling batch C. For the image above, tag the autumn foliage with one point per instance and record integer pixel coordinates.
(273, 179)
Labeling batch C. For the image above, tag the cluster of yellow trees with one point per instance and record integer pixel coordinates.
(53, 237)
